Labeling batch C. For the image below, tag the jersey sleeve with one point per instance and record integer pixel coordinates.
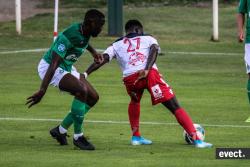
(242, 6)
(61, 45)
(111, 52)
(152, 41)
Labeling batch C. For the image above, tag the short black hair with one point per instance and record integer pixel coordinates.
(93, 14)
(131, 24)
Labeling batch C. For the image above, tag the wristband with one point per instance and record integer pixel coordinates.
(85, 75)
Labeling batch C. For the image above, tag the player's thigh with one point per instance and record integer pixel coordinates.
(135, 95)
(91, 90)
(73, 85)
(61, 78)
(135, 91)
(159, 90)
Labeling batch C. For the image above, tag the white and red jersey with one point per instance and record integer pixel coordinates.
(131, 52)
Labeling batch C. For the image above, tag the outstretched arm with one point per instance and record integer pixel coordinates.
(36, 97)
(98, 58)
(150, 62)
(94, 66)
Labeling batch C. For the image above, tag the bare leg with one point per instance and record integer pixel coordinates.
(181, 116)
(81, 89)
(85, 98)
(185, 121)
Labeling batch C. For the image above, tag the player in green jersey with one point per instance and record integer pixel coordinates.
(244, 8)
(56, 68)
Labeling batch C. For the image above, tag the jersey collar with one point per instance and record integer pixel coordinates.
(132, 35)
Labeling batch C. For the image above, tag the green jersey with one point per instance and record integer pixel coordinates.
(69, 45)
(244, 7)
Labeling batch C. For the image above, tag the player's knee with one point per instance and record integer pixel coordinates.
(174, 109)
(172, 105)
(133, 102)
(134, 97)
(93, 98)
(96, 97)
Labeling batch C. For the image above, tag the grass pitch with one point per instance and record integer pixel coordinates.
(210, 87)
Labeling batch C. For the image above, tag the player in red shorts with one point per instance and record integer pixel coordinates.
(136, 54)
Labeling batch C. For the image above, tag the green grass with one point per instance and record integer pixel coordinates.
(210, 87)
(144, 3)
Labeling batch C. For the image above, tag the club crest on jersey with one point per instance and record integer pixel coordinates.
(157, 92)
(61, 47)
(61, 71)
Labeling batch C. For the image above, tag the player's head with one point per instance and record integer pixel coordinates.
(94, 21)
(133, 26)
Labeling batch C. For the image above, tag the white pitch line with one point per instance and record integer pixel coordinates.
(206, 53)
(25, 51)
(102, 50)
(33, 51)
(115, 122)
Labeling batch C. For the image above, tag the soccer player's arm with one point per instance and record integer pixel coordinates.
(37, 97)
(91, 49)
(241, 19)
(153, 52)
(94, 66)
(107, 56)
(58, 51)
(56, 59)
(98, 58)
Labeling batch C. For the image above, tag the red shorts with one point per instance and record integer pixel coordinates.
(159, 90)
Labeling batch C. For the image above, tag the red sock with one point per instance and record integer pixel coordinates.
(186, 122)
(134, 116)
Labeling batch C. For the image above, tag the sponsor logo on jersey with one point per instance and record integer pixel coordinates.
(71, 57)
(135, 58)
(61, 47)
(157, 92)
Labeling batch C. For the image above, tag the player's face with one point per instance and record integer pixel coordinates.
(97, 27)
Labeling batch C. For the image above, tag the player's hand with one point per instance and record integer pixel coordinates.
(98, 58)
(142, 74)
(241, 37)
(35, 98)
